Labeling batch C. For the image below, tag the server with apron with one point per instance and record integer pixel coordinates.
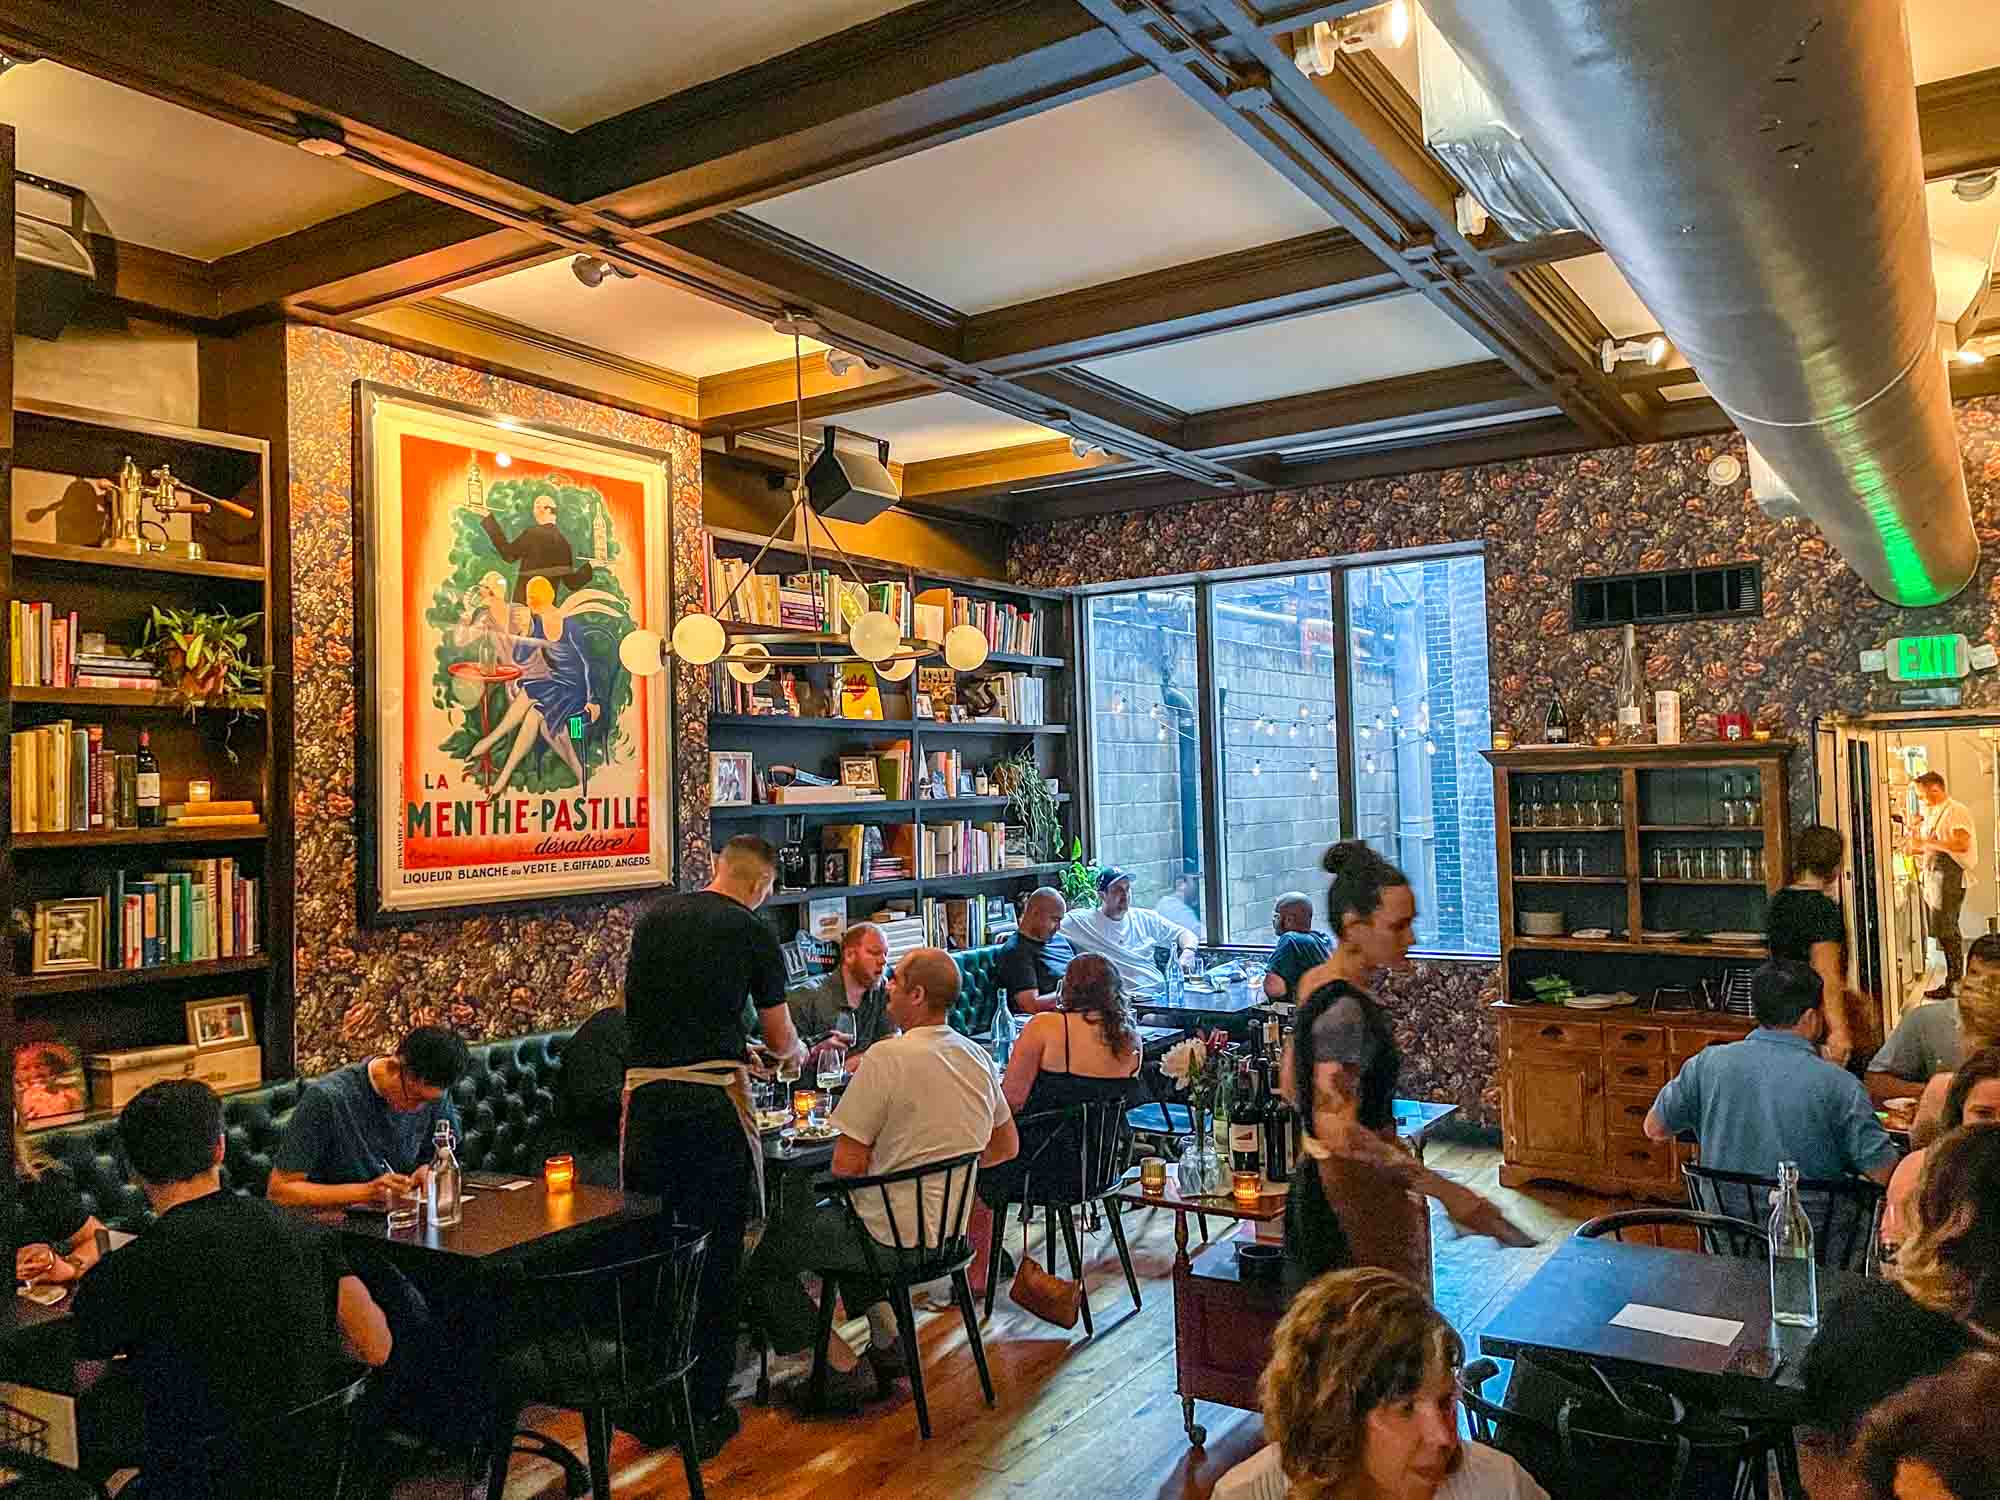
(689, 1132)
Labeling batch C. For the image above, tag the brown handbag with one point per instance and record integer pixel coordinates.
(1052, 1298)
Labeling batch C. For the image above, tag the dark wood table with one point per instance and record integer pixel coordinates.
(500, 1228)
(1563, 1317)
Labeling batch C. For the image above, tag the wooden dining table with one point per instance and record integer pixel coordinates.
(500, 1226)
(1563, 1317)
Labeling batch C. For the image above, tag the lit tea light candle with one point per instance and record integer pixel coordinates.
(1502, 740)
(1245, 1187)
(200, 791)
(1153, 1175)
(559, 1172)
(802, 1104)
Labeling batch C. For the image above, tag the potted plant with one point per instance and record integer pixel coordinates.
(200, 656)
(1079, 878)
(1028, 790)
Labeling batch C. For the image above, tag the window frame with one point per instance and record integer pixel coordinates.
(1214, 833)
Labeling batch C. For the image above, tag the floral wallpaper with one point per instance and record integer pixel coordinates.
(1543, 522)
(359, 990)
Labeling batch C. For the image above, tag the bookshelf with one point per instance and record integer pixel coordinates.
(815, 742)
(44, 528)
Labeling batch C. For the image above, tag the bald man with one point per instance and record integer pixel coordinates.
(925, 1096)
(1299, 947)
(1032, 961)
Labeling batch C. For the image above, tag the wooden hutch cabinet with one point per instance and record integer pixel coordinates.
(1652, 862)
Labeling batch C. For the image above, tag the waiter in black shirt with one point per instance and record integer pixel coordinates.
(690, 1135)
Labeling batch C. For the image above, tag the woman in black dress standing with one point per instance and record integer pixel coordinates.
(1364, 1203)
(1803, 924)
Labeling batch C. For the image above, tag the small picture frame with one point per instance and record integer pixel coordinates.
(834, 871)
(966, 784)
(729, 778)
(859, 771)
(68, 935)
(958, 713)
(798, 969)
(923, 709)
(222, 1022)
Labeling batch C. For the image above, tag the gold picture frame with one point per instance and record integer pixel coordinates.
(221, 1021)
(68, 935)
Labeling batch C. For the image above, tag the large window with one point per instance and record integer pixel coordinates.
(1146, 742)
(1339, 702)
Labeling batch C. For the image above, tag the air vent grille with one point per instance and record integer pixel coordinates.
(1735, 592)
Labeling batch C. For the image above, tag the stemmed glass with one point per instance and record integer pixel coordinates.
(1534, 811)
(1729, 801)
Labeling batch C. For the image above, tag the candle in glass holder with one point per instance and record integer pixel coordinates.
(1502, 740)
(1153, 1175)
(1245, 1187)
(802, 1104)
(559, 1172)
(200, 791)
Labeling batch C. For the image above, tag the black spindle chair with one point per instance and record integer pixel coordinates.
(306, 1453)
(598, 1340)
(1845, 1212)
(1718, 1235)
(928, 1243)
(1071, 1157)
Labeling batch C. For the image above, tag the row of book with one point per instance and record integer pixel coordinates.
(189, 911)
(960, 922)
(46, 648)
(968, 848)
(1019, 697)
(1007, 627)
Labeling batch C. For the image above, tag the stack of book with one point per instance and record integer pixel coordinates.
(961, 922)
(1007, 627)
(1008, 697)
(963, 848)
(47, 648)
(189, 911)
(220, 814)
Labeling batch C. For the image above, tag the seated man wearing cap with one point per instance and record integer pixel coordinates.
(1127, 934)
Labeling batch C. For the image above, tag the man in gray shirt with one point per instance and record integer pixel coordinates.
(1925, 1041)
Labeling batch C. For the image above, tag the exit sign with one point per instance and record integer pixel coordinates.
(1928, 658)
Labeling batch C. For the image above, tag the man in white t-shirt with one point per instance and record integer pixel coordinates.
(925, 1096)
(1947, 848)
(1127, 934)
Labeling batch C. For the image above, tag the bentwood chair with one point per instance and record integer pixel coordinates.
(927, 1243)
(1070, 1157)
(308, 1453)
(599, 1340)
(1607, 1445)
(1718, 1235)
(1846, 1212)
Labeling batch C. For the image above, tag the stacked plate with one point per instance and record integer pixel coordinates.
(1596, 1002)
(1658, 935)
(1743, 938)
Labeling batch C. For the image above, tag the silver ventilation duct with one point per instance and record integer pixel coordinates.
(1754, 170)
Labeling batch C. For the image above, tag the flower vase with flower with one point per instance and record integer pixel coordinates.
(1200, 1071)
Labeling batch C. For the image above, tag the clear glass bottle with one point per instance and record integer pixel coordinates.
(1794, 1276)
(1631, 691)
(447, 1205)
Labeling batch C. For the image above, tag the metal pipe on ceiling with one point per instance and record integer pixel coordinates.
(1755, 172)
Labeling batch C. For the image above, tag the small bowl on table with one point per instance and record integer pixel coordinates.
(1259, 1262)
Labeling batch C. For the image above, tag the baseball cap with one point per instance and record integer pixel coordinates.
(1109, 876)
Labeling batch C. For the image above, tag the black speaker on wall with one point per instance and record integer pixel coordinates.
(851, 487)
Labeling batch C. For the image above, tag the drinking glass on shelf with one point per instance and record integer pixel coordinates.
(1746, 863)
(1729, 801)
(1576, 860)
(1660, 863)
(1577, 815)
(1524, 863)
(1757, 864)
(1614, 803)
(1531, 809)
(1753, 812)
(1545, 863)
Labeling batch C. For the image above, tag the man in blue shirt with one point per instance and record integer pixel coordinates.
(368, 1127)
(1771, 1097)
(1299, 948)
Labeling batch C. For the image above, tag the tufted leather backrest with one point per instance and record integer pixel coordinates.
(978, 990)
(505, 1100)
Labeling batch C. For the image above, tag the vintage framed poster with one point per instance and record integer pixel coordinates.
(506, 755)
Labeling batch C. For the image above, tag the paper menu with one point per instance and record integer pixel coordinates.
(1679, 1325)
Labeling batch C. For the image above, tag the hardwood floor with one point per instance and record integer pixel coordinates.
(1083, 1418)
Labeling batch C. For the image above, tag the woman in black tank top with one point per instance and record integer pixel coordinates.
(1356, 1205)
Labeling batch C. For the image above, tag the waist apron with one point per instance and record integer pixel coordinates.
(732, 1077)
(1343, 1213)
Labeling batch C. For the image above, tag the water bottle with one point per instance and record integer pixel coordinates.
(1794, 1277)
(446, 1202)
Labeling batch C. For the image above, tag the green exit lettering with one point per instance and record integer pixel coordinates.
(1926, 656)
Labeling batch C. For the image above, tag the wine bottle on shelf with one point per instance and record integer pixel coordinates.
(147, 783)
(1557, 731)
(1631, 691)
(1246, 1123)
(1277, 1127)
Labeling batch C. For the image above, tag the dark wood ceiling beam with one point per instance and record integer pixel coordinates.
(767, 395)
(1312, 273)
(1959, 121)
(912, 79)
(140, 279)
(1377, 407)
(273, 69)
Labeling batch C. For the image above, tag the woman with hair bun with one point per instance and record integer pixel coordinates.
(1340, 1070)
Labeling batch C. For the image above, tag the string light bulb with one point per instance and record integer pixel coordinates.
(1118, 703)
(1430, 746)
(1257, 769)
(1161, 736)
(1368, 765)
(1312, 771)
(1395, 711)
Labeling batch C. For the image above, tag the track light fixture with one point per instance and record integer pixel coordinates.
(594, 271)
(840, 364)
(1975, 187)
(1613, 352)
(1085, 448)
(1383, 29)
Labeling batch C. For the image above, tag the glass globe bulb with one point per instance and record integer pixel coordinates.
(896, 671)
(965, 648)
(744, 672)
(874, 636)
(699, 639)
(640, 652)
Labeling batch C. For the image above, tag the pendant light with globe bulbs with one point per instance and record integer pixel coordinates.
(702, 639)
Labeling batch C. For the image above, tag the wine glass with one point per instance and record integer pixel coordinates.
(1729, 801)
(832, 1067)
(1614, 803)
(788, 1074)
(1537, 810)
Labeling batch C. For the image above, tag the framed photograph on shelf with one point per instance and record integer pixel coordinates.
(958, 713)
(859, 771)
(729, 778)
(49, 1086)
(221, 1022)
(68, 935)
(922, 708)
(834, 872)
(507, 754)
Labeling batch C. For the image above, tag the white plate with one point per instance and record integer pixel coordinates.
(1736, 937)
(1593, 1002)
(1592, 934)
(1649, 936)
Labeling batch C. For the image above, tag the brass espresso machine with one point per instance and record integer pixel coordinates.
(125, 502)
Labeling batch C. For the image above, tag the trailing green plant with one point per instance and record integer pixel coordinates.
(200, 657)
(1079, 877)
(1028, 791)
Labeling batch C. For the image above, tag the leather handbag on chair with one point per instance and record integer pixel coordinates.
(1052, 1298)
